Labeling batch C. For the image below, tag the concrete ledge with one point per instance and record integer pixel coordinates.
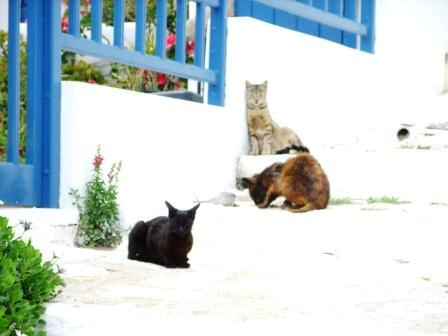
(415, 175)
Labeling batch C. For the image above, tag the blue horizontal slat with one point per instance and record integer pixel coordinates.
(243, 8)
(211, 3)
(133, 58)
(316, 15)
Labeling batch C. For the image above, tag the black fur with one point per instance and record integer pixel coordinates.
(293, 149)
(163, 240)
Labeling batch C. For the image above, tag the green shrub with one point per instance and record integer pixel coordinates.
(99, 220)
(25, 284)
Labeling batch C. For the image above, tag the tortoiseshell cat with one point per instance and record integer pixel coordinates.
(164, 240)
(266, 137)
(301, 180)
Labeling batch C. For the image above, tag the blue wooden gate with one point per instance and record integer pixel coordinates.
(341, 21)
(35, 182)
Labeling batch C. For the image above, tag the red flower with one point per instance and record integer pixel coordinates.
(64, 24)
(161, 79)
(170, 40)
(190, 48)
(91, 81)
(97, 161)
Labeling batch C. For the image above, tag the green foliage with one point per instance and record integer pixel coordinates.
(4, 96)
(384, 199)
(82, 71)
(99, 220)
(25, 284)
(340, 201)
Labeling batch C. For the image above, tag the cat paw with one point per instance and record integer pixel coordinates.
(184, 265)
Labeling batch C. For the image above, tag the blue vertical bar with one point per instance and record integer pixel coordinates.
(199, 39)
(140, 23)
(161, 28)
(321, 5)
(307, 26)
(368, 19)
(73, 18)
(97, 19)
(181, 40)
(329, 33)
(51, 103)
(23, 11)
(34, 95)
(218, 53)
(118, 23)
(349, 12)
(13, 81)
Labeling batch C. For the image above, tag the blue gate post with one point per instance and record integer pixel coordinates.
(218, 52)
(51, 103)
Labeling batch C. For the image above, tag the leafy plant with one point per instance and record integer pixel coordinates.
(82, 71)
(99, 221)
(25, 284)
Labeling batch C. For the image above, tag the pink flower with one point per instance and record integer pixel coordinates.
(190, 48)
(161, 79)
(97, 161)
(91, 81)
(83, 11)
(170, 40)
(64, 24)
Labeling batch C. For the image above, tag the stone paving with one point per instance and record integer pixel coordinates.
(361, 269)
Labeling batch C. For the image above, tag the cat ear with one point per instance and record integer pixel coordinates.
(193, 209)
(248, 84)
(264, 84)
(247, 182)
(170, 207)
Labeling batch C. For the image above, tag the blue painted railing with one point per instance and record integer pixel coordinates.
(36, 182)
(348, 22)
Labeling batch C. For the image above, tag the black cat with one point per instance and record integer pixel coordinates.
(164, 240)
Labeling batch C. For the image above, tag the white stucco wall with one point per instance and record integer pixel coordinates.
(331, 95)
(171, 149)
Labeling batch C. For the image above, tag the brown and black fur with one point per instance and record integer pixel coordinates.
(163, 240)
(301, 180)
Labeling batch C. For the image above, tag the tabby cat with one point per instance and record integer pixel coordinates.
(164, 240)
(266, 137)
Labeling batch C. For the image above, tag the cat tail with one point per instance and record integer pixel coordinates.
(291, 149)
